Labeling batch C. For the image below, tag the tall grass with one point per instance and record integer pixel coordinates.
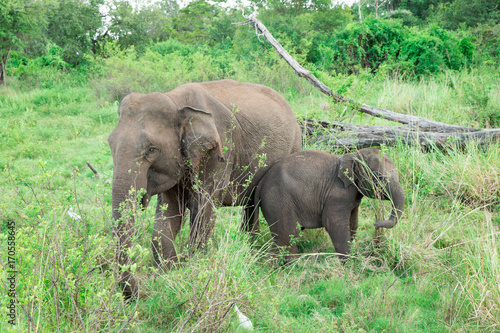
(436, 271)
(467, 98)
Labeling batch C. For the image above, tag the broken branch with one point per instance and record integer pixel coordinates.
(97, 174)
(348, 136)
(417, 123)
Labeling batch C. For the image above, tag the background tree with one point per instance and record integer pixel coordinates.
(377, 4)
(419, 8)
(471, 13)
(17, 19)
(359, 5)
(203, 22)
(303, 25)
(72, 25)
(139, 26)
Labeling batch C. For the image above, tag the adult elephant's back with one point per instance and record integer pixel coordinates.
(264, 116)
(268, 127)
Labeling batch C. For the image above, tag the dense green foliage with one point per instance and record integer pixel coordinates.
(408, 37)
(436, 271)
(386, 43)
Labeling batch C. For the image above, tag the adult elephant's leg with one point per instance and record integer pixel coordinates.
(167, 224)
(338, 225)
(354, 222)
(201, 220)
(210, 191)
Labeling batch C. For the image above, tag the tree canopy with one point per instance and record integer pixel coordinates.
(401, 34)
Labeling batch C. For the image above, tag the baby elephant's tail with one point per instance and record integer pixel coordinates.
(250, 222)
(250, 215)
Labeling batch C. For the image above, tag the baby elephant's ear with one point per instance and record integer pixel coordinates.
(346, 172)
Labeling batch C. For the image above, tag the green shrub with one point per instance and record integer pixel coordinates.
(365, 45)
(421, 54)
(46, 71)
(406, 17)
(488, 40)
(388, 44)
(171, 46)
(53, 58)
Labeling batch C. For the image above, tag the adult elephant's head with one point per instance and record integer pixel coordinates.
(153, 144)
(376, 177)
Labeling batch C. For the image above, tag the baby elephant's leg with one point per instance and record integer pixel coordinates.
(337, 224)
(354, 222)
(285, 235)
(285, 231)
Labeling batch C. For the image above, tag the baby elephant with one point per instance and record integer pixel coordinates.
(316, 189)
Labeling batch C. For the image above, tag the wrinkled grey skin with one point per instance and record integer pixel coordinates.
(210, 132)
(316, 189)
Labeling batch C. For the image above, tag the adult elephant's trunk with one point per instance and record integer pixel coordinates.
(126, 185)
(397, 197)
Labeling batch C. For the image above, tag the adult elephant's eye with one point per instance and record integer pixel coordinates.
(150, 151)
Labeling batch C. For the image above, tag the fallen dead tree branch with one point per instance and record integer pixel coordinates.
(418, 130)
(348, 136)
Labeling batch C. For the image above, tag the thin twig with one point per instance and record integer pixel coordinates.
(97, 174)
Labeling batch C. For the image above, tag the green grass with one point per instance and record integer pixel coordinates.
(436, 271)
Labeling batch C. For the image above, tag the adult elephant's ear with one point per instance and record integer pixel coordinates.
(346, 172)
(199, 136)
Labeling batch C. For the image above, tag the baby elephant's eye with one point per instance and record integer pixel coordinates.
(150, 150)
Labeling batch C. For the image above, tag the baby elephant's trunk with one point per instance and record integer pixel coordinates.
(397, 197)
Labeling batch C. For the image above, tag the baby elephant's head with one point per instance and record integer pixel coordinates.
(376, 177)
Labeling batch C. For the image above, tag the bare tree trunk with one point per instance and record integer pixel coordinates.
(3, 68)
(349, 136)
(419, 131)
(360, 3)
(2, 72)
(378, 4)
(416, 122)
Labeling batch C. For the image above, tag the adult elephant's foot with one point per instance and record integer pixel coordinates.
(128, 285)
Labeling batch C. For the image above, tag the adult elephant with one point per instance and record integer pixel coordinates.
(195, 148)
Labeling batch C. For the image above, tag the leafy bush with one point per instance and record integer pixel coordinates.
(53, 57)
(171, 46)
(413, 51)
(406, 16)
(488, 40)
(365, 45)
